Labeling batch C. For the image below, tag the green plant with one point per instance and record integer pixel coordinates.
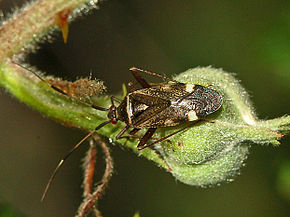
(209, 152)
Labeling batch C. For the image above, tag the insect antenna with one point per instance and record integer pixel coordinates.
(81, 141)
(60, 90)
(67, 155)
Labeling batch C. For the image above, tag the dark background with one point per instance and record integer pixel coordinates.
(250, 38)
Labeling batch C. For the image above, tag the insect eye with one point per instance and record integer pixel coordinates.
(112, 107)
(114, 121)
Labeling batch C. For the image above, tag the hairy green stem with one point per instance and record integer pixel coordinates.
(35, 20)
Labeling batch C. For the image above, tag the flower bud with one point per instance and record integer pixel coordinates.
(213, 150)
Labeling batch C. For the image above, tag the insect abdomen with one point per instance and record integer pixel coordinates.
(206, 100)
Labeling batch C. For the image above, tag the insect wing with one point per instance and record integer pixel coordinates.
(143, 108)
(151, 107)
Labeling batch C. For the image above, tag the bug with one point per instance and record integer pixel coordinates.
(153, 106)
(162, 105)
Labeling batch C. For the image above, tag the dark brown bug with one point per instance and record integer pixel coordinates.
(155, 106)
(163, 105)
(151, 107)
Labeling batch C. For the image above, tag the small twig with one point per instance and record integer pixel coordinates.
(91, 198)
(89, 169)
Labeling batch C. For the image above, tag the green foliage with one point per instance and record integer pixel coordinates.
(204, 154)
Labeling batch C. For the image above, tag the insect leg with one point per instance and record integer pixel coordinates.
(122, 132)
(136, 70)
(132, 134)
(135, 130)
(115, 99)
(163, 138)
(131, 86)
(139, 78)
(145, 138)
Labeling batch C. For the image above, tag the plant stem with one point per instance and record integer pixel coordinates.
(21, 33)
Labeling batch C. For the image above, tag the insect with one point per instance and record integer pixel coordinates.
(162, 105)
(153, 106)
(156, 106)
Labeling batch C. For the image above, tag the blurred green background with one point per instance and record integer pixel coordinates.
(249, 38)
